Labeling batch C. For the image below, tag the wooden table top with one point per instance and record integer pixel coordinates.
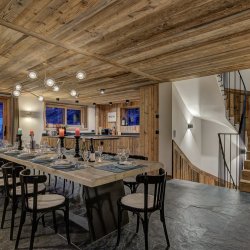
(90, 177)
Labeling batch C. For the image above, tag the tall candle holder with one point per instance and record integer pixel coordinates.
(77, 148)
(32, 142)
(62, 146)
(20, 147)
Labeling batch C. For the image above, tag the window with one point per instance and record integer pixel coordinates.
(65, 115)
(133, 116)
(55, 115)
(73, 117)
(130, 116)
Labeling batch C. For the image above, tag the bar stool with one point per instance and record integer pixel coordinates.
(13, 191)
(39, 205)
(144, 204)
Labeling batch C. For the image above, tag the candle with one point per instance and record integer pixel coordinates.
(77, 132)
(19, 131)
(31, 133)
(61, 132)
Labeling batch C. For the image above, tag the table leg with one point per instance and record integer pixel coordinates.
(101, 204)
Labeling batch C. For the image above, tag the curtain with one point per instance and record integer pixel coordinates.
(14, 118)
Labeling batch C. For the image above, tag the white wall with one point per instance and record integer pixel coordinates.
(29, 102)
(203, 99)
(189, 140)
(91, 118)
(210, 145)
(165, 126)
(198, 101)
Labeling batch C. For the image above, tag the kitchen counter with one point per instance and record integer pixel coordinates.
(97, 137)
(110, 142)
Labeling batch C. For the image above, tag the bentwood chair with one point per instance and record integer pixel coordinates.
(39, 205)
(144, 204)
(130, 182)
(13, 191)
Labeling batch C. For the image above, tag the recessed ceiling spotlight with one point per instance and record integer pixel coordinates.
(76, 101)
(50, 82)
(16, 93)
(102, 91)
(18, 87)
(32, 75)
(73, 93)
(80, 75)
(40, 98)
(56, 88)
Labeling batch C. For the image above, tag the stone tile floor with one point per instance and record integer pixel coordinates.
(198, 217)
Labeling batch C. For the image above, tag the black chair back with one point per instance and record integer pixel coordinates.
(10, 172)
(159, 183)
(25, 179)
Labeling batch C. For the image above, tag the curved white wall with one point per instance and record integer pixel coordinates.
(198, 101)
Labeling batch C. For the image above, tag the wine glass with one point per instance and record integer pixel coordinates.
(119, 153)
(86, 155)
(126, 154)
(100, 150)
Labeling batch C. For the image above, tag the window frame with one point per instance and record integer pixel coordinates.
(84, 115)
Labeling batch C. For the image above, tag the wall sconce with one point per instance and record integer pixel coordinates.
(190, 126)
(28, 114)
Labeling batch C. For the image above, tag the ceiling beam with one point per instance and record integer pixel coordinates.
(71, 47)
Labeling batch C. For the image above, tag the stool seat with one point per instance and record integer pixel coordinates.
(30, 189)
(136, 200)
(47, 201)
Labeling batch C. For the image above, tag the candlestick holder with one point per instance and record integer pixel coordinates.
(62, 146)
(77, 148)
(20, 147)
(32, 142)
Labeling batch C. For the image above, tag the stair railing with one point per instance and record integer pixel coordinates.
(232, 145)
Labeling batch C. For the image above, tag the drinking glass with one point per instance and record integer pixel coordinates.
(100, 150)
(119, 153)
(86, 155)
(15, 145)
(126, 154)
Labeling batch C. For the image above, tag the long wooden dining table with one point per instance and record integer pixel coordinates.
(102, 190)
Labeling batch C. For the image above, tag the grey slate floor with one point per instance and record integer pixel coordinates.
(198, 217)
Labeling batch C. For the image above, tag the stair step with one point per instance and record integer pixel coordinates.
(245, 174)
(247, 164)
(244, 186)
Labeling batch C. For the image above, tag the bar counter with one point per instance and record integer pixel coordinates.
(110, 142)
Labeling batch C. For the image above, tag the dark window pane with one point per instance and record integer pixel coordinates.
(1, 120)
(54, 115)
(73, 117)
(133, 116)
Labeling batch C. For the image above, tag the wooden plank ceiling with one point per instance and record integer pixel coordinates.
(121, 45)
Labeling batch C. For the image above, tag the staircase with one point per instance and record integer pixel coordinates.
(234, 169)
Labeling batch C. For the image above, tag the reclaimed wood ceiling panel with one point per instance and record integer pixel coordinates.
(122, 45)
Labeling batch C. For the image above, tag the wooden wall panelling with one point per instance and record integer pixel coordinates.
(183, 169)
(149, 107)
